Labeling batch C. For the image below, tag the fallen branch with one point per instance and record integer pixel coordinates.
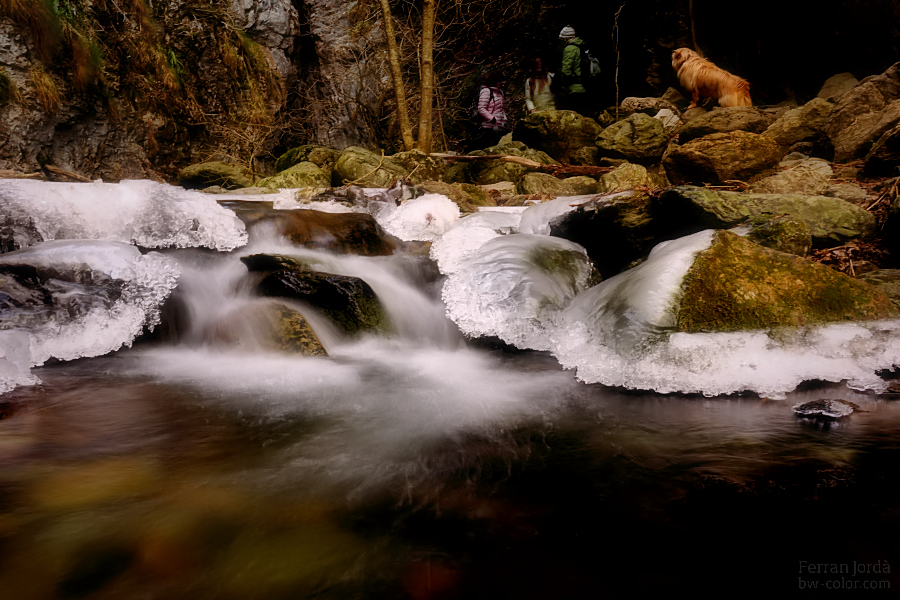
(68, 174)
(9, 174)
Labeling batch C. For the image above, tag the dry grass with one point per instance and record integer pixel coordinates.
(45, 88)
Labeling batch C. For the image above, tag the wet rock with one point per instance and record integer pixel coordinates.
(349, 302)
(367, 169)
(836, 86)
(721, 157)
(825, 408)
(322, 157)
(863, 114)
(889, 282)
(559, 133)
(639, 138)
(626, 176)
(804, 123)
(737, 285)
(785, 234)
(344, 233)
(421, 166)
(832, 221)
(724, 120)
(226, 175)
(614, 230)
(271, 325)
(301, 175)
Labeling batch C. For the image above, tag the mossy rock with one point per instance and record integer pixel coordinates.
(785, 234)
(458, 172)
(585, 157)
(348, 302)
(720, 157)
(544, 185)
(292, 333)
(626, 176)
(421, 166)
(456, 194)
(804, 123)
(496, 171)
(368, 169)
(724, 120)
(639, 138)
(582, 185)
(477, 194)
(736, 285)
(301, 175)
(832, 221)
(226, 175)
(271, 325)
(888, 280)
(321, 156)
(559, 133)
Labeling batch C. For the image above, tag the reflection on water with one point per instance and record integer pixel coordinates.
(424, 473)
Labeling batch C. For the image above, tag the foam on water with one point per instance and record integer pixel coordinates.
(424, 219)
(146, 213)
(513, 286)
(141, 283)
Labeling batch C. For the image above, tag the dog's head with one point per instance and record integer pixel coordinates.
(681, 56)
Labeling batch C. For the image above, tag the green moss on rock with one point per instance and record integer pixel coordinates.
(227, 175)
(737, 285)
(302, 175)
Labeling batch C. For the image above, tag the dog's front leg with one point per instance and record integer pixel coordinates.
(695, 98)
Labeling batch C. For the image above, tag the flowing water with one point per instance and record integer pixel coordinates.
(423, 465)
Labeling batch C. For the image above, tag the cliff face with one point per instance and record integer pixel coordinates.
(135, 90)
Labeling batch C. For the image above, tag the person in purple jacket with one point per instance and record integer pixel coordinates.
(492, 110)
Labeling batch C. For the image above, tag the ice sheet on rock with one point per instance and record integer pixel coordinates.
(146, 213)
(725, 363)
(468, 235)
(537, 218)
(421, 219)
(103, 295)
(513, 285)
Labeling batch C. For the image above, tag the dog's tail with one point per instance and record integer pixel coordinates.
(737, 95)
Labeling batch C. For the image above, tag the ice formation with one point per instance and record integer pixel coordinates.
(103, 294)
(468, 235)
(513, 285)
(421, 219)
(619, 333)
(146, 213)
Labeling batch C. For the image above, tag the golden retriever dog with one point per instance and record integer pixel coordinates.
(703, 78)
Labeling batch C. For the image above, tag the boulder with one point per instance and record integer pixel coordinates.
(720, 157)
(724, 120)
(639, 138)
(648, 106)
(626, 176)
(862, 114)
(888, 280)
(785, 234)
(883, 160)
(582, 185)
(465, 201)
(586, 156)
(801, 124)
(348, 302)
(559, 133)
(800, 179)
(545, 185)
(479, 196)
(737, 285)
(271, 324)
(832, 221)
(676, 98)
(343, 233)
(367, 169)
(321, 156)
(614, 229)
(226, 175)
(850, 192)
(836, 86)
(301, 175)
(421, 166)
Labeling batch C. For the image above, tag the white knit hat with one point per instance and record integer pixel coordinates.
(567, 33)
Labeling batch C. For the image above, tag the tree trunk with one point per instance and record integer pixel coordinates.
(397, 76)
(694, 29)
(426, 75)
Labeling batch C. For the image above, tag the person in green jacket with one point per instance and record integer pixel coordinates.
(575, 96)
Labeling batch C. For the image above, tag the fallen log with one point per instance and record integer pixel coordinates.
(555, 170)
(10, 174)
(67, 174)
